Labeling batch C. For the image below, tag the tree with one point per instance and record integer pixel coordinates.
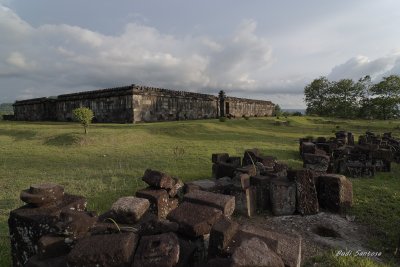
(84, 116)
(386, 97)
(315, 96)
(343, 98)
(277, 111)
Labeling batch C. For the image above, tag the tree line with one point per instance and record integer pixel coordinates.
(354, 99)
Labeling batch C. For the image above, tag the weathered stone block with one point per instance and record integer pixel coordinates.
(262, 185)
(160, 203)
(316, 162)
(129, 210)
(288, 247)
(75, 224)
(246, 201)
(42, 194)
(157, 251)
(254, 252)
(223, 169)
(306, 197)
(242, 179)
(219, 157)
(104, 250)
(158, 179)
(194, 220)
(206, 185)
(249, 169)
(235, 161)
(177, 190)
(225, 203)
(283, 197)
(220, 236)
(335, 192)
(307, 147)
(27, 224)
(51, 246)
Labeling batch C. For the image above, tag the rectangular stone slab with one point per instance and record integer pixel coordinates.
(193, 219)
(225, 203)
(283, 197)
(306, 197)
(220, 236)
(288, 246)
(159, 200)
(104, 250)
(27, 224)
(335, 192)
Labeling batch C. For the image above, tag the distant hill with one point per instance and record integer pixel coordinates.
(6, 108)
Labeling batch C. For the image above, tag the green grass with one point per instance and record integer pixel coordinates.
(109, 161)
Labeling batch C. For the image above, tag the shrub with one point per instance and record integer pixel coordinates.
(84, 116)
(222, 119)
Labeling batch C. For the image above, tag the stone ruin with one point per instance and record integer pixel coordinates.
(171, 223)
(340, 154)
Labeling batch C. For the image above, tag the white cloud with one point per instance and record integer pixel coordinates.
(56, 59)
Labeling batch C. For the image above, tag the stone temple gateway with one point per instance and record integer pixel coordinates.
(134, 103)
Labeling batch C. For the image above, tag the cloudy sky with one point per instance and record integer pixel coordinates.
(256, 49)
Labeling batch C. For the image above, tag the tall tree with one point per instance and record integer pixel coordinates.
(315, 96)
(343, 98)
(386, 97)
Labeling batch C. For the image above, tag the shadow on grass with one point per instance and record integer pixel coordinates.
(66, 139)
(19, 135)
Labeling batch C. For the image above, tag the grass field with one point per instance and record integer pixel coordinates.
(109, 161)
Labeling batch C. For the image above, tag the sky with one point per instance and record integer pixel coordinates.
(259, 49)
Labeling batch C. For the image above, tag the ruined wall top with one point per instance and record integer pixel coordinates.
(134, 90)
(139, 89)
(250, 101)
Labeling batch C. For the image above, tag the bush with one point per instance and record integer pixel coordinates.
(222, 119)
(246, 117)
(84, 116)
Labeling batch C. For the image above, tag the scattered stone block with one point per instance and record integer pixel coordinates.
(158, 179)
(104, 250)
(223, 169)
(235, 161)
(75, 224)
(220, 236)
(219, 157)
(283, 197)
(316, 162)
(206, 185)
(250, 156)
(51, 246)
(160, 203)
(225, 203)
(287, 246)
(193, 219)
(42, 194)
(249, 169)
(157, 226)
(224, 185)
(130, 209)
(307, 147)
(254, 252)
(335, 192)
(177, 190)
(262, 185)
(28, 224)
(157, 250)
(246, 201)
(242, 179)
(306, 197)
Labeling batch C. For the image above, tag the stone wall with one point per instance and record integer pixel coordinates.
(153, 104)
(140, 104)
(109, 105)
(239, 107)
(38, 109)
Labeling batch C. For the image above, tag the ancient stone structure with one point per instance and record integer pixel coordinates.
(135, 103)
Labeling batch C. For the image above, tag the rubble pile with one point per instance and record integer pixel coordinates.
(340, 154)
(169, 223)
(261, 183)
